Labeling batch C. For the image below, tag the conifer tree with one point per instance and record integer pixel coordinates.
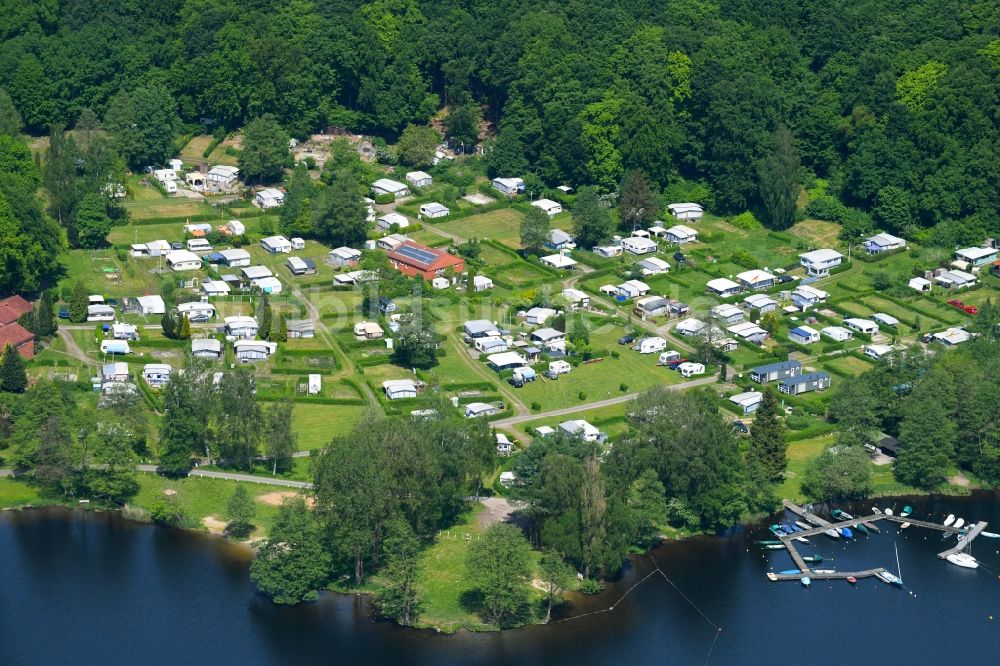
(45, 317)
(78, 303)
(168, 324)
(767, 437)
(13, 378)
(185, 329)
(280, 332)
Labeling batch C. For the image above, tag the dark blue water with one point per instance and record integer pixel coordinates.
(85, 588)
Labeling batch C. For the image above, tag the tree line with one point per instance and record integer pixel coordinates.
(884, 108)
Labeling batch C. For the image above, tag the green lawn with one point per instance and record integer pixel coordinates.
(15, 493)
(610, 419)
(799, 453)
(602, 380)
(201, 497)
(850, 364)
(316, 425)
(443, 578)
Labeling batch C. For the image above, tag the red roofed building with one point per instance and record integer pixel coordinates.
(12, 333)
(11, 309)
(411, 259)
(19, 338)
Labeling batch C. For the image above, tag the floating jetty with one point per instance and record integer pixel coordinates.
(822, 525)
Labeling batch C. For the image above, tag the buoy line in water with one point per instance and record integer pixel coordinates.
(657, 570)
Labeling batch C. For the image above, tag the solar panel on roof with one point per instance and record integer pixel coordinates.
(417, 254)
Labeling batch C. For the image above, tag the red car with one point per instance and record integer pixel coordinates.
(967, 309)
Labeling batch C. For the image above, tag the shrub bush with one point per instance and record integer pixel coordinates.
(384, 198)
(746, 221)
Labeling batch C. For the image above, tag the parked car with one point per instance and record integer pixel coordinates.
(626, 339)
(515, 382)
(177, 246)
(741, 427)
(679, 257)
(63, 313)
(785, 279)
(551, 375)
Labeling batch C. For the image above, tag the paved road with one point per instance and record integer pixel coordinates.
(232, 476)
(515, 420)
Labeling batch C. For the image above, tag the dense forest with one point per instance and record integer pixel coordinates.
(892, 105)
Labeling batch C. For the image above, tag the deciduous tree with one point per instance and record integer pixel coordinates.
(592, 223)
(500, 567)
(534, 230)
(265, 150)
(240, 512)
(292, 564)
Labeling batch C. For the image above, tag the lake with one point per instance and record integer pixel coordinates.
(84, 588)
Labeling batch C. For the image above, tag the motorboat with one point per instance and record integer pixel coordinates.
(861, 528)
(905, 526)
(813, 559)
(790, 572)
(959, 523)
(907, 510)
(990, 535)
(769, 542)
(871, 526)
(774, 547)
(802, 539)
(832, 533)
(804, 526)
(841, 515)
(890, 578)
(776, 530)
(949, 520)
(846, 532)
(852, 580)
(787, 529)
(824, 571)
(771, 576)
(947, 535)
(806, 582)
(963, 560)
(877, 511)
(888, 512)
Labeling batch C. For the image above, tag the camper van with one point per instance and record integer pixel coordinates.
(650, 345)
(522, 376)
(691, 369)
(671, 358)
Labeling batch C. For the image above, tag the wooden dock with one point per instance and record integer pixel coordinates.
(822, 525)
(836, 575)
(964, 541)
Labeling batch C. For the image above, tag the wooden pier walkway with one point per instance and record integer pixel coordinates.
(964, 541)
(822, 525)
(836, 575)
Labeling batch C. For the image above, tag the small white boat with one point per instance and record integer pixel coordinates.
(805, 581)
(905, 526)
(889, 577)
(949, 520)
(771, 576)
(877, 511)
(959, 523)
(963, 560)
(833, 534)
(824, 571)
(990, 535)
(805, 526)
(888, 512)
(802, 539)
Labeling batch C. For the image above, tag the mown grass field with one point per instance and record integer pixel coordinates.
(15, 493)
(316, 424)
(443, 580)
(602, 380)
(202, 497)
(850, 364)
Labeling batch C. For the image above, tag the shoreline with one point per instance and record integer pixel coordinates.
(590, 603)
